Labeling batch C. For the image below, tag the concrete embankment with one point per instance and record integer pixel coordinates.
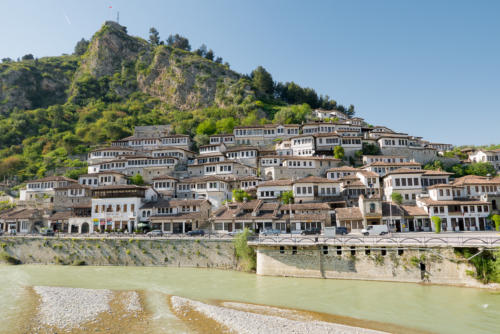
(435, 265)
(202, 253)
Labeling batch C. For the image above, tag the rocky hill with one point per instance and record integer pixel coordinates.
(54, 109)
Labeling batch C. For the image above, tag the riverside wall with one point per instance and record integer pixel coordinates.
(429, 265)
(203, 253)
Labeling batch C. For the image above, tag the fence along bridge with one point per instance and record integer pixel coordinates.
(476, 241)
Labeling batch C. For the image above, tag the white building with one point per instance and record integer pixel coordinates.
(491, 156)
(405, 181)
(456, 213)
(117, 207)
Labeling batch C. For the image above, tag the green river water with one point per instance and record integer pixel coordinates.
(433, 308)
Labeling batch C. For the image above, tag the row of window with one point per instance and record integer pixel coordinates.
(113, 208)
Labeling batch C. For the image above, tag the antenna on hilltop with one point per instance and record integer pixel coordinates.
(117, 17)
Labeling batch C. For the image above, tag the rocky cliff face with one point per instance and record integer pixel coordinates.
(177, 77)
(180, 78)
(35, 83)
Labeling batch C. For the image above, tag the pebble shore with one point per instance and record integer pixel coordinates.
(68, 308)
(251, 323)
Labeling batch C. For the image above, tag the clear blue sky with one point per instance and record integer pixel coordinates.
(428, 68)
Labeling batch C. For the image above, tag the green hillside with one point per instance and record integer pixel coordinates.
(52, 110)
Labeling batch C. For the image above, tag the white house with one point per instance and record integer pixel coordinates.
(406, 181)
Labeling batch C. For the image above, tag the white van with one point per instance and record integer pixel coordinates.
(375, 230)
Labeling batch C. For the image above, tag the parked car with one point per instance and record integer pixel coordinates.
(196, 232)
(341, 230)
(48, 232)
(375, 230)
(271, 232)
(155, 233)
(311, 231)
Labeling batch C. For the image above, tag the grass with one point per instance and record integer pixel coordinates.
(6, 258)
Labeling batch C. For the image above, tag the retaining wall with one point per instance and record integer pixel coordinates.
(433, 265)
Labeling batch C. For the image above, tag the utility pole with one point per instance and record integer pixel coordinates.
(118, 17)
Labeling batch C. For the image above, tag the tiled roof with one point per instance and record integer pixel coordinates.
(314, 179)
(429, 202)
(269, 183)
(170, 203)
(474, 179)
(436, 173)
(405, 171)
(348, 213)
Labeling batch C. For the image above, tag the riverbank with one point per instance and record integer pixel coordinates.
(78, 311)
(201, 253)
(410, 306)
(426, 265)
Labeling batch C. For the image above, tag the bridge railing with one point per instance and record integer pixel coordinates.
(395, 241)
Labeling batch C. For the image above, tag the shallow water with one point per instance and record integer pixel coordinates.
(433, 308)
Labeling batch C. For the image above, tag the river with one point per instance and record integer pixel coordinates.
(430, 308)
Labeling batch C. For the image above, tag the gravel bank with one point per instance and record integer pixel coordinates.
(251, 323)
(67, 308)
(268, 310)
(132, 302)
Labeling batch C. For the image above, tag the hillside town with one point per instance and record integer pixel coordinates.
(287, 178)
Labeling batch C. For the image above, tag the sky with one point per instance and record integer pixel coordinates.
(426, 68)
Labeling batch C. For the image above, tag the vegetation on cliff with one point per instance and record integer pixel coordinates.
(53, 110)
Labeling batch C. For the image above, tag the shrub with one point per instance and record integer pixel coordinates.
(244, 253)
(437, 223)
(487, 264)
(79, 263)
(127, 252)
(496, 220)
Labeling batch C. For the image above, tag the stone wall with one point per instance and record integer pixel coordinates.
(419, 154)
(432, 265)
(121, 252)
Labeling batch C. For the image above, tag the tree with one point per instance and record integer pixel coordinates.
(338, 152)
(9, 166)
(240, 195)
(262, 81)
(225, 125)
(496, 220)
(6, 60)
(81, 47)
(397, 198)
(218, 60)
(29, 56)
(75, 173)
(437, 223)
(207, 127)
(201, 51)
(287, 197)
(154, 36)
(178, 41)
(350, 112)
(371, 149)
(210, 54)
(480, 168)
(137, 180)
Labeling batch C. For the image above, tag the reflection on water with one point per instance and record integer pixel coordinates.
(434, 308)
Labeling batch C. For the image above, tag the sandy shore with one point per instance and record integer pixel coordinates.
(244, 322)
